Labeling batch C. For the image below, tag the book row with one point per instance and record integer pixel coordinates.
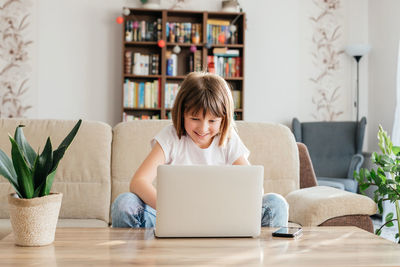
(183, 32)
(221, 32)
(218, 31)
(129, 117)
(142, 94)
(193, 62)
(224, 66)
(143, 30)
(171, 90)
(141, 64)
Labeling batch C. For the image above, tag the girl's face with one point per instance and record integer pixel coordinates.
(201, 129)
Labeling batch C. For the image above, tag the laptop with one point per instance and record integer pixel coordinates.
(209, 201)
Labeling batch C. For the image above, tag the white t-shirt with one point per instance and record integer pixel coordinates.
(186, 152)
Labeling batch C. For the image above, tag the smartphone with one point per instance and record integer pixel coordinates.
(288, 232)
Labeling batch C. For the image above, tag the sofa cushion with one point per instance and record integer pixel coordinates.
(274, 147)
(5, 228)
(131, 144)
(83, 175)
(314, 205)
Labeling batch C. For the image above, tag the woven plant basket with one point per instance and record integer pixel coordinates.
(34, 220)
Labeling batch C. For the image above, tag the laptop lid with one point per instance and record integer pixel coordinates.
(209, 201)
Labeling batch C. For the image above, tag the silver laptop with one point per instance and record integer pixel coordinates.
(209, 201)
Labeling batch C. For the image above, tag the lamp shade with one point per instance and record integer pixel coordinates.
(358, 49)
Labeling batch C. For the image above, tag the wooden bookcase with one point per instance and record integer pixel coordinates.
(149, 50)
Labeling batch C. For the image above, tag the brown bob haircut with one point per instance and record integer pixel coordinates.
(206, 92)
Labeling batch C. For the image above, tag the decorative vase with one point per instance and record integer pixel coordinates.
(152, 4)
(34, 220)
(230, 6)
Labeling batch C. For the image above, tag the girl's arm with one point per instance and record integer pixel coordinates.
(141, 183)
(241, 161)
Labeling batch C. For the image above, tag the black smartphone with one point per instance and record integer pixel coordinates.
(288, 232)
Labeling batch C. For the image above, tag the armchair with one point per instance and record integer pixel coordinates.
(335, 149)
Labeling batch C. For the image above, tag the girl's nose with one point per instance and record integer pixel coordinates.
(204, 126)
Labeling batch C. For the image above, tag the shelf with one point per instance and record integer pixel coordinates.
(227, 45)
(141, 109)
(233, 78)
(203, 44)
(141, 43)
(181, 77)
(184, 44)
(142, 76)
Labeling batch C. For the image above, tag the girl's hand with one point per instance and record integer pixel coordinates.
(241, 161)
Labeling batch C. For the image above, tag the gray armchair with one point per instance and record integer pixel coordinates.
(335, 149)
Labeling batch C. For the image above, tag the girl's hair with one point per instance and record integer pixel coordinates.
(209, 93)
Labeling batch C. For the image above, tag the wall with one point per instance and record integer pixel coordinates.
(384, 31)
(77, 65)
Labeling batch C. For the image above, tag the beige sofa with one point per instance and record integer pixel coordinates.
(101, 161)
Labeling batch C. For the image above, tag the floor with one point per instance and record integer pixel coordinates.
(387, 232)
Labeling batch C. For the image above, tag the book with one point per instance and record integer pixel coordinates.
(220, 22)
(237, 98)
(128, 62)
(225, 52)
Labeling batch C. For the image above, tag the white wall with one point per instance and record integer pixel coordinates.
(384, 32)
(78, 59)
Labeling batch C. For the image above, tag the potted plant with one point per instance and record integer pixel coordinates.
(154, 4)
(33, 208)
(386, 178)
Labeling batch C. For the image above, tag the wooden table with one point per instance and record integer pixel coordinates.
(318, 246)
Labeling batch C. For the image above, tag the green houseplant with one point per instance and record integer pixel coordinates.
(31, 175)
(386, 178)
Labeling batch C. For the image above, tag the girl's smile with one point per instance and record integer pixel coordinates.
(202, 130)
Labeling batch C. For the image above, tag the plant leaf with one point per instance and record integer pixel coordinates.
(7, 170)
(396, 150)
(24, 174)
(29, 153)
(59, 152)
(378, 231)
(363, 187)
(389, 224)
(49, 183)
(43, 165)
(389, 216)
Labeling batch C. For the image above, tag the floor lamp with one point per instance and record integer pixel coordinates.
(357, 52)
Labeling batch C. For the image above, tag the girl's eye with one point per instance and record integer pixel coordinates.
(195, 119)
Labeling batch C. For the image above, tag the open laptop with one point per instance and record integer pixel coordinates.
(209, 201)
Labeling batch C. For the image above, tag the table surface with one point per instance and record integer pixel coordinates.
(318, 246)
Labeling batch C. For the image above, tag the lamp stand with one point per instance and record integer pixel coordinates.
(357, 103)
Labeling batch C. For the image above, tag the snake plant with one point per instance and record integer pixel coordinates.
(30, 173)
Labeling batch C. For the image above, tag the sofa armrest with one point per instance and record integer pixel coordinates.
(355, 164)
(307, 174)
(315, 205)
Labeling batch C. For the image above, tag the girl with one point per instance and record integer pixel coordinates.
(202, 133)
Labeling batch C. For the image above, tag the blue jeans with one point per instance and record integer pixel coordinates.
(128, 210)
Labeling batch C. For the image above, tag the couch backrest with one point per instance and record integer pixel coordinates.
(130, 146)
(274, 147)
(271, 145)
(83, 175)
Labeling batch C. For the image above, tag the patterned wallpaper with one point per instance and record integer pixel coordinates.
(326, 54)
(15, 66)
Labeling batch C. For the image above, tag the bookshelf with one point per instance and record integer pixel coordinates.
(206, 41)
